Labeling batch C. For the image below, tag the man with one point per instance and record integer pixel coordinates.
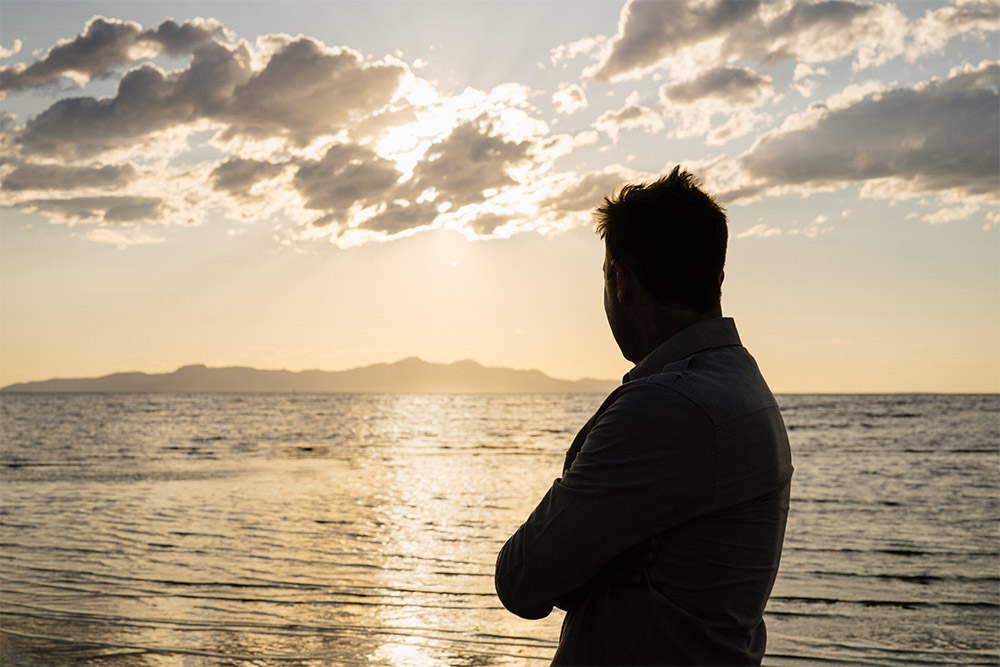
(661, 541)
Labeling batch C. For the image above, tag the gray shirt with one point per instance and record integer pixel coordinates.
(691, 450)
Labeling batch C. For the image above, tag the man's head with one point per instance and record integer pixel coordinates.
(665, 248)
(672, 236)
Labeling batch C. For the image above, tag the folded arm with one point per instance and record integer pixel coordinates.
(646, 465)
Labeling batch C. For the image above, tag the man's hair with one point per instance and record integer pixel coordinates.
(672, 236)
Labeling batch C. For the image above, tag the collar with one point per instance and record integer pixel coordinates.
(700, 336)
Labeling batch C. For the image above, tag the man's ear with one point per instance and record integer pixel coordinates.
(620, 281)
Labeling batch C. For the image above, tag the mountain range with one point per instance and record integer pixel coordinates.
(410, 375)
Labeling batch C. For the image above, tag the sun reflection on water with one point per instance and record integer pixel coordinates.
(316, 531)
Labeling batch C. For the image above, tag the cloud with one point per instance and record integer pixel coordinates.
(942, 135)
(112, 209)
(819, 32)
(343, 146)
(733, 93)
(555, 146)
(238, 175)
(587, 192)
(7, 53)
(804, 78)
(304, 91)
(61, 177)
(487, 223)
(649, 31)
(992, 219)
(474, 158)
(82, 127)
(631, 116)
(574, 49)
(397, 217)
(760, 230)
(569, 98)
(307, 90)
(104, 44)
(686, 35)
(348, 175)
(952, 214)
(733, 85)
(740, 123)
(122, 238)
(933, 30)
(309, 120)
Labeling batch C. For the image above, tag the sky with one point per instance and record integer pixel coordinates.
(326, 185)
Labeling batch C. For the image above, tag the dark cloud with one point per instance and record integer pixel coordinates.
(460, 167)
(649, 30)
(178, 39)
(811, 32)
(726, 197)
(237, 175)
(61, 177)
(305, 91)
(148, 100)
(109, 209)
(627, 114)
(104, 44)
(206, 89)
(301, 90)
(470, 160)
(735, 85)
(81, 127)
(938, 136)
(346, 175)
(398, 218)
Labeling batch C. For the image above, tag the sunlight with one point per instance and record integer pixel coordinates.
(436, 116)
(401, 654)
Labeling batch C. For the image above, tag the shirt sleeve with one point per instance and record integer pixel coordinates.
(646, 465)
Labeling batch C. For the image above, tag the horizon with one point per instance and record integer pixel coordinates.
(320, 370)
(5, 388)
(327, 185)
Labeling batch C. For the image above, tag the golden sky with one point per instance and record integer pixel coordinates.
(332, 184)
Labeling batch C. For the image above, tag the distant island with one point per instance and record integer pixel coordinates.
(410, 375)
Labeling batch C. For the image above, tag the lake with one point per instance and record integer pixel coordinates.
(237, 529)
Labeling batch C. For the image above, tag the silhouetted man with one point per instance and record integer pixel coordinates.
(662, 538)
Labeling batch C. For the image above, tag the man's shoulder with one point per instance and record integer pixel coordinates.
(655, 401)
(725, 383)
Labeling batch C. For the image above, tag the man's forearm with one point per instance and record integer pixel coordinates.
(518, 596)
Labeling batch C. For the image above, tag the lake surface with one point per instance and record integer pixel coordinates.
(237, 529)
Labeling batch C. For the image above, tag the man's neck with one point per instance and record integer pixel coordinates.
(662, 323)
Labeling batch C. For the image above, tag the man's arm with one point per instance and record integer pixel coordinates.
(646, 465)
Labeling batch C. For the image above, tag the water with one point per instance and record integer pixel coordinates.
(362, 529)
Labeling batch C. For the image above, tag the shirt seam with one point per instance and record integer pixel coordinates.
(715, 436)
